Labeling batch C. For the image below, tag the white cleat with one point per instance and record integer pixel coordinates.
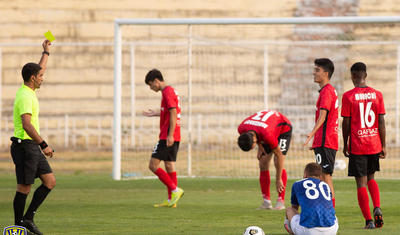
(266, 205)
(280, 205)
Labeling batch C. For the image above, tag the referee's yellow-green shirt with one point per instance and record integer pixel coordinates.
(25, 102)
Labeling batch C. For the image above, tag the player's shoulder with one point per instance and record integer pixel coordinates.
(328, 89)
(379, 93)
(299, 181)
(350, 92)
(168, 90)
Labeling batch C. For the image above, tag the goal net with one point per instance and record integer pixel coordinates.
(226, 72)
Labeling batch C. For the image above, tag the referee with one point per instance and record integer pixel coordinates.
(28, 147)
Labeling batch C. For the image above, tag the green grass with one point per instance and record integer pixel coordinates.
(95, 204)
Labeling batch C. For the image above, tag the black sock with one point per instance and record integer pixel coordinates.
(19, 207)
(38, 197)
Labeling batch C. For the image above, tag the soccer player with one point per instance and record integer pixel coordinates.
(314, 197)
(364, 136)
(170, 135)
(28, 146)
(272, 132)
(325, 131)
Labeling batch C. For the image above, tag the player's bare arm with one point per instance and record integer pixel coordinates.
(45, 55)
(279, 159)
(31, 131)
(260, 151)
(321, 119)
(345, 134)
(151, 113)
(382, 134)
(172, 125)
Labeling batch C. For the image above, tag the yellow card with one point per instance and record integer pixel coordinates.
(49, 36)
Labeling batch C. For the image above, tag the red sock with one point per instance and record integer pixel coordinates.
(374, 192)
(363, 202)
(172, 175)
(164, 177)
(281, 196)
(333, 202)
(265, 182)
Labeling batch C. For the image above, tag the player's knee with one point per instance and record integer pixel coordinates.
(263, 166)
(152, 167)
(169, 167)
(50, 184)
(24, 188)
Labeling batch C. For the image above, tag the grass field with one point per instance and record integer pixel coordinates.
(95, 204)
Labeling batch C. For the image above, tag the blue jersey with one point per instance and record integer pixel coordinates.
(315, 199)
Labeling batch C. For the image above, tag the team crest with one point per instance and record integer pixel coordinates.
(14, 230)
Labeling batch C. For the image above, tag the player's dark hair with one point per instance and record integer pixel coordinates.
(30, 69)
(326, 64)
(358, 70)
(313, 169)
(152, 75)
(245, 141)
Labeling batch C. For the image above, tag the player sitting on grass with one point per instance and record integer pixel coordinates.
(315, 199)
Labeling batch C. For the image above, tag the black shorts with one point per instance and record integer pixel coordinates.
(363, 165)
(283, 143)
(29, 161)
(325, 157)
(164, 153)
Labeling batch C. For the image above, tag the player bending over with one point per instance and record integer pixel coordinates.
(271, 132)
(315, 199)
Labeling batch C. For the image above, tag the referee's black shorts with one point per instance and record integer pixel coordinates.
(164, 153)
(29, 161)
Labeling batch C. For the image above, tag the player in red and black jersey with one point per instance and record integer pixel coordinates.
(170, 135)
(325, 131)
(272, 132)
(364, 136)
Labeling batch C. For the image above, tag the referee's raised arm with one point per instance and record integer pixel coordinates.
(45, 54)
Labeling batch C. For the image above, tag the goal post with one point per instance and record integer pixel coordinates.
(266, 59)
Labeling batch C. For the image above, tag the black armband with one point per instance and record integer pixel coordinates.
(43, 145)
(45, 52)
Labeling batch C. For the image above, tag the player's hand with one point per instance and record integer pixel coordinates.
(170, 141)
(149, 113)
(346, 152)
(382, 154)
(309, 137)
(48, 151)
(279, 186)
(46, 45)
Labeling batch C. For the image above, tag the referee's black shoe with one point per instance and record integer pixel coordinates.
(31, 226)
